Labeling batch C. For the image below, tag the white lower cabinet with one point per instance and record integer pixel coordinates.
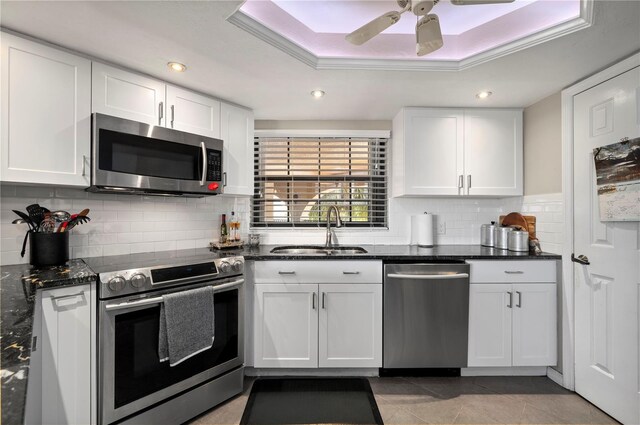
(302, 324)
(286, 326)
(66, 355)
(512, 324)
(350, 325)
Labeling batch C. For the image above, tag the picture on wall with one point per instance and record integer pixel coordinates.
(618, 180)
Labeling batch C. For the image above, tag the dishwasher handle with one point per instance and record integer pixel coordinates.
(429, 276)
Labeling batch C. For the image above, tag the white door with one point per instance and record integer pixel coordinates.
(46, 114)
(433, 151)
(236, 131)
(493, 152)
(606, 291)
(66, 355)
(534, 324)
(192, 112)
(490, 324)
(286, 325)
(350, 328)
(127, 95)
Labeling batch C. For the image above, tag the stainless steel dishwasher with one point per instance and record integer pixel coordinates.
(426, 315)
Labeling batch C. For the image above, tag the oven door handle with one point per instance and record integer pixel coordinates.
(158, 300)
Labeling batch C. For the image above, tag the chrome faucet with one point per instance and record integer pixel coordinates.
(338, 223)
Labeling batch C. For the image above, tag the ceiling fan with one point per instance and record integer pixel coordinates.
(428, 33)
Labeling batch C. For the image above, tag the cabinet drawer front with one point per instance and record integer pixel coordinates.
(318, 271)
(507, 271)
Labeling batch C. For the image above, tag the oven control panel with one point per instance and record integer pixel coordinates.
(132, 281)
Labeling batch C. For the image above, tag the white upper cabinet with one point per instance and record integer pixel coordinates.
(192, 112)
(127, 95)
(441, 152)
(493, 152)
(236, 131)
(427, 151)
(46, 114)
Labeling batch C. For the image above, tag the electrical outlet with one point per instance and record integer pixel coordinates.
(442, 227)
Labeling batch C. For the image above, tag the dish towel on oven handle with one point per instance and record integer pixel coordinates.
(186, 324)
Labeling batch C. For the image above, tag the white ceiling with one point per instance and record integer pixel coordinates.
(231, 64)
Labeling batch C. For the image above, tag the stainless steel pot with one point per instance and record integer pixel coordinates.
(502, 238)
(518, 240)
(488, 234)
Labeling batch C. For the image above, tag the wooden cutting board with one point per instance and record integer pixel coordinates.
(527, 222)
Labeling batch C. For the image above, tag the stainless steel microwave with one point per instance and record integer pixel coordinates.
(133, 157)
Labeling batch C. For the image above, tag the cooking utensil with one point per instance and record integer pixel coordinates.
(36, 213)
(24, 242)
(488, 234)
(47, 225)
(61, 215)
(76, 221)
(26, 218)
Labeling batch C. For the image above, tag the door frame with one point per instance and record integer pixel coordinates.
(568, 307)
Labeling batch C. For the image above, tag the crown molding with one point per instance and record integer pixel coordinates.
(255, 28)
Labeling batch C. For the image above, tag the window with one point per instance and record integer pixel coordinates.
(298, 179)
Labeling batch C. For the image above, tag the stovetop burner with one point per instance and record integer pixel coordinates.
(137, 273)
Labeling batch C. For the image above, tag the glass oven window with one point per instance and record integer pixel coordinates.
(145, 156)
(138, 370)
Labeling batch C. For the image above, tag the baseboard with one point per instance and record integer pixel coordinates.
(504, 371)
(555, 376)
(251, 371)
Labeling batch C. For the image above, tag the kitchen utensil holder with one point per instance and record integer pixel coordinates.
(48, 249)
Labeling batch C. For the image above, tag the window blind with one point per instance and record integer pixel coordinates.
(298, 179)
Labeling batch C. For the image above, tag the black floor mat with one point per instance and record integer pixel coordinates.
(285, 401)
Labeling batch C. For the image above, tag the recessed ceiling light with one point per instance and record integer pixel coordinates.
(177, 67)
(317, 94)
(484, 94)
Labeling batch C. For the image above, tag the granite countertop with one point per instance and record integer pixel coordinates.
(18, 285)
(405, 253)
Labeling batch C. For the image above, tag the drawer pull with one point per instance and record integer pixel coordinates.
(514, 272)
(350, 272)
(286, 272)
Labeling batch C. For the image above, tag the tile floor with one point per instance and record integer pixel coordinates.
(466, 400)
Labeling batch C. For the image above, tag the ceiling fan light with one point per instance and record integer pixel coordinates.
(373, 28)
(428, 35)
(422, 7)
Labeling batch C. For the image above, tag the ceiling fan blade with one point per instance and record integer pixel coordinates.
(470, 2)
(428, 35)
(373, 28)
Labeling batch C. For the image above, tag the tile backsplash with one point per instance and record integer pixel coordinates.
(120, 224)
(124, 224)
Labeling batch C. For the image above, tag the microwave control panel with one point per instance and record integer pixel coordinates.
(214, 165)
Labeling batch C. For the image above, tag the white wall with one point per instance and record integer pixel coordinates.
(120, 224)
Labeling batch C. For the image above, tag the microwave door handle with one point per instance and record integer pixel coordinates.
(204, 164)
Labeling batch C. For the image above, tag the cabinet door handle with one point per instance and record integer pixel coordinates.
(510, 305)
(84, 163)
(160, 112)
(519, 294)
(34, 344)
(350, 272)
(460, 181)
(224, 179)
(313, 301)
(468, 183)
(287, 272)
(323, 300)
(172, 115)
(514, 272)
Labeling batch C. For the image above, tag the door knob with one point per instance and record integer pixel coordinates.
(580, 259)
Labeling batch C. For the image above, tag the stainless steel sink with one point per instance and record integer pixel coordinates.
(318, 250)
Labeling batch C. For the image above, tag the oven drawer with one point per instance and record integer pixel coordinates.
(512, 271)
(318, 271)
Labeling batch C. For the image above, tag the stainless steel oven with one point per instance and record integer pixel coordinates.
(134, 385)
(133, 157)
